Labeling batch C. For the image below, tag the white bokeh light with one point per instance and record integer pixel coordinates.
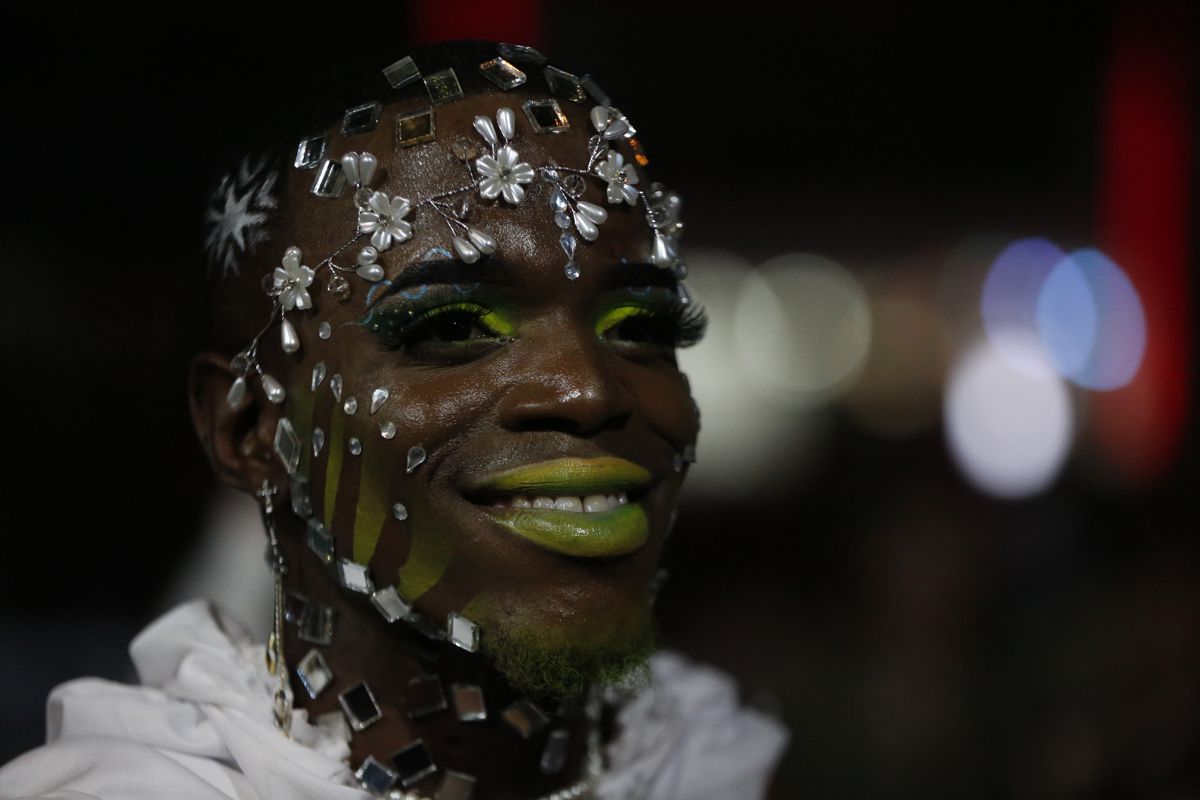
(1008, 430)
(747, 446)
(802, 329)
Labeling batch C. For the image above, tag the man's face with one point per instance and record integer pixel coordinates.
(524, 389)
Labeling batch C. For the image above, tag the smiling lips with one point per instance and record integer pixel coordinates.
(572, 506)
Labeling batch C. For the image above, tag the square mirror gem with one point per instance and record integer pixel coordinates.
(456, 786)
(330, 179)
(554, 756)
(375, 777)
(355, 576)
(361, 119)
(413, 763)
(443, 87)
(314, 673)
(424, 696)
(416, 127)
(390, 604)
(502, 73)
(301, 496)
(468, 702)
(360, 706)
(310, 151)
(288, 445)
(316, 625)
(320, 540)
(525, 717)
(546, 116)
(402, 73)
(564, 84)
(463, 632)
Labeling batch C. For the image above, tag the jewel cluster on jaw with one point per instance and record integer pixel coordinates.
(425, 697)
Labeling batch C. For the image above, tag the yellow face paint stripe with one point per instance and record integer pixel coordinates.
(333, 466)
(428, 556)
(302, 409)
(372, 507)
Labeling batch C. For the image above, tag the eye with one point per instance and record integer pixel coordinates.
(639, 326)
(450, 325)
(652, 326)
(449, 333)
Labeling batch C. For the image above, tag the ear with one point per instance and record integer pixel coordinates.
(239, 442)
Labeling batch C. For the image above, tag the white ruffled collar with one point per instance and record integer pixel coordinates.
(206, 694)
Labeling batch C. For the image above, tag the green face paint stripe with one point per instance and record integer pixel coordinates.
(477, 609)
(333, 468)
(373, 505)
(428, 556)
(302, 408)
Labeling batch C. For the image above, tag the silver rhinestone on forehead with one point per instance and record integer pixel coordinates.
(494, 173)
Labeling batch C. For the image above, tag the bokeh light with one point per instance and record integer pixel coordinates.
(1009, 429)
(747, 446)
(1091, 322)
(1010, 302)
(802, 329)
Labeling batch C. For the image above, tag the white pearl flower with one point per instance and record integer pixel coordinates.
(291, 282)
(384, 220)
(503, 174)
(620, 177)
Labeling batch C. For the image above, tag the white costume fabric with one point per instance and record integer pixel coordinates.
(200, 727)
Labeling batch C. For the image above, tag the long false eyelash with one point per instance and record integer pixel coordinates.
(395, 321)
(681, 325)
(690, 323)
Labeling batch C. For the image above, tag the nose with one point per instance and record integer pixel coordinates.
(569, 384)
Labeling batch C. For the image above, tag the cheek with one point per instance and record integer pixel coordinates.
(666, 400)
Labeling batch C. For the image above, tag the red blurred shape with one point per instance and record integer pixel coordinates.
(1146, 173)
(512, 21)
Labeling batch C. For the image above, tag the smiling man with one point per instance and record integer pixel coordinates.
(445, 324)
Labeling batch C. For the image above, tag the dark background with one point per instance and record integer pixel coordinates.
(918, 638)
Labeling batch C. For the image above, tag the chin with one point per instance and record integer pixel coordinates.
(552, 653)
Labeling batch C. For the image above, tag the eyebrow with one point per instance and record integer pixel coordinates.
(446, 271)
(497, 273)
(638, 275)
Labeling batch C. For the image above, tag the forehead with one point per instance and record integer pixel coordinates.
(525, 232)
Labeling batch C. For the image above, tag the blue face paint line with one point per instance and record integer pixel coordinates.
(469, 288)
(639, 292)
(420, 292)
(623, 261)
(438, 252)
(371, 293)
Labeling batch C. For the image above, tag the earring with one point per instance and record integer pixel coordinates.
(276, 662)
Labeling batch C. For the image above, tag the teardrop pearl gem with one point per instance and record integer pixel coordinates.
(486, 130)
(593, 212)
(661, 256)
(483, 242)
(291, 342)
(274, 389)
(237, 393)
(366, 168)
(587, 229)
(466, 251)
(507, 122)
(599, 117)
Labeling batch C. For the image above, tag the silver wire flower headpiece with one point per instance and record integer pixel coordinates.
(494, 170)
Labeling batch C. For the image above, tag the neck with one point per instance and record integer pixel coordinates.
(468, 720)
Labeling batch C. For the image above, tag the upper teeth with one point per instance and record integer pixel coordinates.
(591, 503)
